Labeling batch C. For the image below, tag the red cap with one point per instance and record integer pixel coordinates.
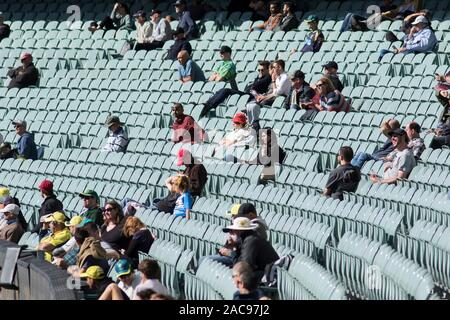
(46, 185)
(25, 55)
(240, 117)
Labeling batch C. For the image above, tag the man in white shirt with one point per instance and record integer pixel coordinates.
(161, 30)
(281, 86)
(144, 30)
(150, 278)
(399, 163)
(118, 138)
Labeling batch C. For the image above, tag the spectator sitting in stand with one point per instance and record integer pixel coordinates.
(315, 38)
(407, 24)
(330, 98)
(5, 30)
(70, 248)
(186, 22)
(26, 75)
(194, 170)
(248, 210)
(150, 277)
(188, 69)
(416, 143)
(356, 22)
(26, 148)
(59, 235)
(90, 254)
(259, 86)
(269, 154)
(103, 286)
(91, 207)
(421, 39)
(330, 71)
(399, 163)
(185, 129)
(301, 94)
(128, 278)
(258, 253)
(380, 153)
(118, 138)
(180, 43)
(12, 231)
(442, 91)
(406, 8)
(144, 30)
(167, 204)
(49, 205)
(184, 202)
(119, 19)
(247, 284)
(111, 233)
(441, 136)
(241, 136)
(226, 69)
(161, 30)
(274, 20)
(7, 152)
(6, 199)
(141, 239)
(289, 21)
(346, 177)
(281, 86)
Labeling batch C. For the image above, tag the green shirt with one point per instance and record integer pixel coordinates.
(95, 215)
(226, 69)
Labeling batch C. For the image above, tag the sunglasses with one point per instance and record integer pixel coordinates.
(319, 85)
(108, 209)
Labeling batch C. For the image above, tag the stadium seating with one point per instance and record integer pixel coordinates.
(380, 242)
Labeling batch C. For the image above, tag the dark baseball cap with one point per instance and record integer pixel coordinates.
(140, 13)
(397, 133)
(330, 64)
(224, 49)
(155, 11)
(245, 209)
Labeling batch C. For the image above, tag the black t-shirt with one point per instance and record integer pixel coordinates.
(115, 237)
(336, 82)
(343, 178)
(260, 85)
(141, 241)
(177, 46)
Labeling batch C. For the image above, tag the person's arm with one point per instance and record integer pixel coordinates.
(331, 184)
(275, 22)
(188, 72)
(46, 246)
(188, 201)
(126, 23)
(118, 144)
(148, 34)
(161, 33)
(248, 252)
(400, 175)
(12, 73)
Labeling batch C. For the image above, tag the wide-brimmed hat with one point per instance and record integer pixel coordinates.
(241, 224)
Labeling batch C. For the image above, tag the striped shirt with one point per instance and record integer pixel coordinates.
(117, 141)
(334, 101)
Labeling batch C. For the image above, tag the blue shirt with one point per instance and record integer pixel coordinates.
(189, 26)
(183, 203)
(422, 41)
(26, 146)
(191, 69)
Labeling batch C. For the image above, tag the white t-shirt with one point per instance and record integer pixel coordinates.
(403, 161)
(152, 284)
(131, 290)
(283, 85)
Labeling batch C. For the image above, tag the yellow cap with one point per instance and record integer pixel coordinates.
(57, 216)
(93, 272)
(234, 210)
(74, 221)
(4, 192)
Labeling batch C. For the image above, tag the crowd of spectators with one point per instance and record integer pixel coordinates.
(86, 244)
